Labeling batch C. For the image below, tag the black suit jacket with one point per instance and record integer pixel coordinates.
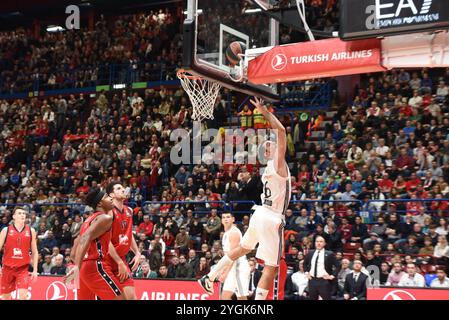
(330, 262)
(251, 191)
(356, 289)
(257, 276)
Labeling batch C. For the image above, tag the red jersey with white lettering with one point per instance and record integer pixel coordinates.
(122, 230)
(17, 247)
(99, 247)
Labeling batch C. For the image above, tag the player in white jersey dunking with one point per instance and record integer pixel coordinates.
(236, 278)
(266, 226)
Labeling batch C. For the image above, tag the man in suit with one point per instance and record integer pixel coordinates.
(254, 278)
(321, 268)
(250, 190)
(355, 284)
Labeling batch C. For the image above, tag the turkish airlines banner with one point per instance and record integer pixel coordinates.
(401, 293)
(316, 59)
(53, 288)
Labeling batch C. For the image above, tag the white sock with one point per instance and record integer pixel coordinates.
(223, 263)
(261, 294)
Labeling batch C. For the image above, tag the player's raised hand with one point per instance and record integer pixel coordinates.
(259, 104)
(135, 262)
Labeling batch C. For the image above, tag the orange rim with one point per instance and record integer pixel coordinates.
(183, 74)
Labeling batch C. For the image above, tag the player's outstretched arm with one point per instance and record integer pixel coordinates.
(3, 237)
(281, 136)
(74, 248)
(136, 260)
(34, 254)
(2, 241)
(122, 270)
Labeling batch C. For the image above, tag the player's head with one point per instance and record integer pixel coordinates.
(227, 219)
(116, 191)
(269, 149)
(19, 214)
(99, 199)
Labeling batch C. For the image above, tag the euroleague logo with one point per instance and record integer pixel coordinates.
(399, 295)
(56, 291)
(279, 62)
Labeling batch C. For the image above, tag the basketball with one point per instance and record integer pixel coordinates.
(233, 51)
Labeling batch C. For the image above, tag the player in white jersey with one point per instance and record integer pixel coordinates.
(266, 226)
(236, 278)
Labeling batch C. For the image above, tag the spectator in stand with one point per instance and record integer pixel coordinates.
(47, 265)
(296, 284)
(182, 241)
(184, 270)
(412, 278)
(213, 227)
(441, 281)
(202, 268)
(144, 271)
(146, 227)
(59, 267)
(343, 271)
(359, 231)
(355, 283)
(384, 273)
(395, 275)
(163, 272)
(441, 251)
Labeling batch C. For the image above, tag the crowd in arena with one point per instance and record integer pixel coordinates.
(128, 48)
(392, 142)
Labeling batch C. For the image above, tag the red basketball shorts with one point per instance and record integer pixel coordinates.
(14, 278)
(97, 279)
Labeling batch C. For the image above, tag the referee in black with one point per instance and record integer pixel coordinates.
(321, 267)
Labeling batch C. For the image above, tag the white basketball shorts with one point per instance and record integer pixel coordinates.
(266, 227)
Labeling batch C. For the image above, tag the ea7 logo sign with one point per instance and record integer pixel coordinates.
(382, 6)
(390, 9)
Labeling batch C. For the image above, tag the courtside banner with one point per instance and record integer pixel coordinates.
(401, 293)
(53, 288)
(316, 59)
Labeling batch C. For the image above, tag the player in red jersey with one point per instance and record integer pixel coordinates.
(93, 273)
(18, 239)
(122, 240)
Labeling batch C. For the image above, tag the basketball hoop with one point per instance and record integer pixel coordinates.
(202, 93)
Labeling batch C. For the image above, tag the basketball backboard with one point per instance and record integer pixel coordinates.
(211, 25)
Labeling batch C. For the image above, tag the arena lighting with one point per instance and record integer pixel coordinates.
(53, 28)
(200, 11)
(251, 11)
(119, 86)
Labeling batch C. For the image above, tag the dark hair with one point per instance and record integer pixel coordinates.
(18, 208)
(232, 214)
(110, 187)
(94, 197)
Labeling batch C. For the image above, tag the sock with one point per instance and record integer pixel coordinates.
(223, 263)
(261, 294)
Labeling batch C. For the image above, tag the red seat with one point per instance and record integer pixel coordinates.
(351, 247)
(349, 256)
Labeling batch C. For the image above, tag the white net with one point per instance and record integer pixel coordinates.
(202, 93)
